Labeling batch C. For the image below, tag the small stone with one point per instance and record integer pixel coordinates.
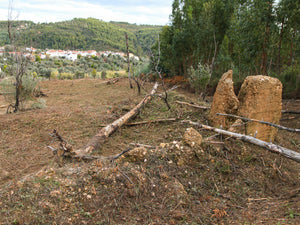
(137, 155)
(192, 137)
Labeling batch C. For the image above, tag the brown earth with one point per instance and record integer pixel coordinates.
(231, 183)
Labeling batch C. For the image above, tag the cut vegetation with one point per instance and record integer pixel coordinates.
(164, 181)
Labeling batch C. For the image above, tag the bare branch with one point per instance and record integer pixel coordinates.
(260, 121)
(192, 105)
(290, 112)
(270, 146)
(128, 61)
(151, 121)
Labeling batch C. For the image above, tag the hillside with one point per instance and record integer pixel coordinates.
(83, 34)
(223, 181)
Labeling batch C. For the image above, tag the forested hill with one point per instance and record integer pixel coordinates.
(83, 34)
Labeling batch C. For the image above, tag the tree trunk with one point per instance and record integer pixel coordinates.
(279, 48)
(96, 141)
(17, 103)
(292, 47)
(128, 61)
(264, 59)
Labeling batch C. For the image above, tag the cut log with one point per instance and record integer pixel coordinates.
(260, 121)
(192, 105)
(96, 141)
(270, 146)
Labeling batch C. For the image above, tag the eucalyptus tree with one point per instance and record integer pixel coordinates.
(196, 33)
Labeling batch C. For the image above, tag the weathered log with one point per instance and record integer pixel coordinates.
(3, 106)
(192, 105)
(260, 121)
(270, 146)
(96, 141)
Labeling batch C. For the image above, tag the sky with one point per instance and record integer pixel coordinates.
(154, 12)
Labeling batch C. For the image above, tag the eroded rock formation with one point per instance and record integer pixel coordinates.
(225, 101)
(260, 98)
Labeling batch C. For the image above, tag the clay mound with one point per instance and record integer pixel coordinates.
(260, 98)
(225, 101)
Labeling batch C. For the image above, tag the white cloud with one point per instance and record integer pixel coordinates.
(132, 11)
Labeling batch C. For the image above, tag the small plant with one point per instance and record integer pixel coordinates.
(27, 86)
(54, 74)
(199, 77)
(103, 74)
(94, 73)
(39, 104)
(64, 76)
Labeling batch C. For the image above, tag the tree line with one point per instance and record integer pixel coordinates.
(249, 36)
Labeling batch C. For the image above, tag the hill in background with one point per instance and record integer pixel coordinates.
(83, 34)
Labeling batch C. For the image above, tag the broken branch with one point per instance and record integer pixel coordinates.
(192, 105)
(270, 146)
(151, 121)
(260, 121)
(290, 112)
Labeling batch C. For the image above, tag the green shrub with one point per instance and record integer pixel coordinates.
(39, 104)
(79, 74)
(199, 77)
(94, 73)
(54, 74)
(29, 84)
(27, 87)
(290, 79)
(103, 74)
(66, 76)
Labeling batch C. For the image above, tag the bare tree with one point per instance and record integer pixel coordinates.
(159, 72)
(18, 64)
(128, 61)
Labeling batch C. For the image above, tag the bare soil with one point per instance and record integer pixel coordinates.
(231, 183)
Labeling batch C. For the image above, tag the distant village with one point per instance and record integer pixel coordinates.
(32, 53)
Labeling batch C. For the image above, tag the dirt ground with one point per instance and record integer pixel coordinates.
(229, 183)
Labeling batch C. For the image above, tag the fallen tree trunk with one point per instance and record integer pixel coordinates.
(260, 121)
(271, 147)
(95, 142)
(192, 105)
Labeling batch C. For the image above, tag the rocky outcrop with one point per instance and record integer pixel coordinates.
(225, 101)
(260, 98)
